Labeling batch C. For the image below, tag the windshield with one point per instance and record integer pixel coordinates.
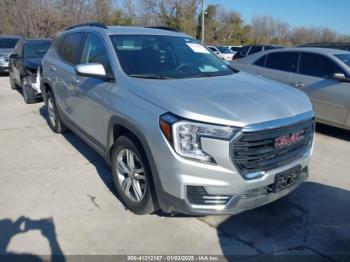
(36, 49)
(345, 58)
(162, 57)
(225, 50)
(8, 42)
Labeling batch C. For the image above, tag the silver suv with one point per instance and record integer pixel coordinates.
(182, 131)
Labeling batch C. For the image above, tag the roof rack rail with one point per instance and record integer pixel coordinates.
(88, 24)
(164, 28)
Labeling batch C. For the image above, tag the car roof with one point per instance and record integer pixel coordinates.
(319, 50)
(34, 40)
(124, 30)
(326, 43)
(10, 36)
(326, 51)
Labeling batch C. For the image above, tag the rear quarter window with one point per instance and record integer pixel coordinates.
(69, 47)
(261, 61)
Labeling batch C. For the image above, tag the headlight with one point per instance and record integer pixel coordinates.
(185, 136)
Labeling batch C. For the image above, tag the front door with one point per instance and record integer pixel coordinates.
(329, 97)
(90, 112)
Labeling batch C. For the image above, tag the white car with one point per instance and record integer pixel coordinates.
(234, 48)
(222, 52)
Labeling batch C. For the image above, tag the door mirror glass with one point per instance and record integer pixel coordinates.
(92, 70)
(340, 77)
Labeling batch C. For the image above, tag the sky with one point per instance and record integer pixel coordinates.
(334, 14)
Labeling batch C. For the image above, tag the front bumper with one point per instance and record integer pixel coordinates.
(247, 195)
(4, 69)
(34, 82)
(225, 187)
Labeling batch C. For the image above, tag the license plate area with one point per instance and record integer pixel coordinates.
(286, 179)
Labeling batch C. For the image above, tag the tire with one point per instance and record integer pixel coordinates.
(12, 83)
(53, 118)
(134, 188)
(28, 94)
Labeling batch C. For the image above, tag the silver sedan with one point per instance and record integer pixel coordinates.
(323, 74)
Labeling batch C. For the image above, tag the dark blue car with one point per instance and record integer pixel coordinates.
(25, 67)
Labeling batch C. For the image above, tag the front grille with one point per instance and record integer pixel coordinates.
(197, 195)
(256, 151)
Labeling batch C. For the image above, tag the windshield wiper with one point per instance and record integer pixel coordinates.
(205, 74)
(149, 76)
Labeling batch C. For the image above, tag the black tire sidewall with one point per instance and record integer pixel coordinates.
(12, 82)
(58, 127)
(146, 206)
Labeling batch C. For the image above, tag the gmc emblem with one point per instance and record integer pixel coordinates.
(287, 140)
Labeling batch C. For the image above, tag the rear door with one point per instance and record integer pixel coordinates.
(277, 66)
(329, 97)
(90, 112)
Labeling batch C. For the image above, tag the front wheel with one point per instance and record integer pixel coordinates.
(12, 82)
(132, 176)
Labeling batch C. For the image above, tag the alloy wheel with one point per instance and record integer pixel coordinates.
(131, 175)
(51, 111)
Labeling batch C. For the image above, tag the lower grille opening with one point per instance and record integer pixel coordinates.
(197, 195)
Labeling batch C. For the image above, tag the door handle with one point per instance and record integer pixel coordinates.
(74, 81)
(52, 68)
(298, 84)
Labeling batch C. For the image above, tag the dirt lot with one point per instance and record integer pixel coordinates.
(57, 196)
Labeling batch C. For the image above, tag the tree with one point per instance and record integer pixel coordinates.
(178, 14)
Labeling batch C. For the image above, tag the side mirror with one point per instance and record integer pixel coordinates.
(93, 70)
(14, 56)
(340, 77)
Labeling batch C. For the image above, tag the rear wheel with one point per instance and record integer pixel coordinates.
(132, 176)
(54, 120)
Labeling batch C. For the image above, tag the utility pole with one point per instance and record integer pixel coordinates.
(203, 21)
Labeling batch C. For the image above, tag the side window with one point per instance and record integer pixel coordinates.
(19, 48)
(284, 61)
(244, 50)
(255, 49)
(317, 65)
(94, 51)
(57, 42)
(70, 46)
(261, 61)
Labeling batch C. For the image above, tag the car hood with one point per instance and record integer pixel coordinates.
(239, 100)
(7, 51)
(32, 63)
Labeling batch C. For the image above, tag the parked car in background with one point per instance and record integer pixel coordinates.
(234, 48)
(323, 74)
(226, 52)
(341, 46)
(25, 67)
(252, 49)
(7, 45)
(221, 52)
(182, 130)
